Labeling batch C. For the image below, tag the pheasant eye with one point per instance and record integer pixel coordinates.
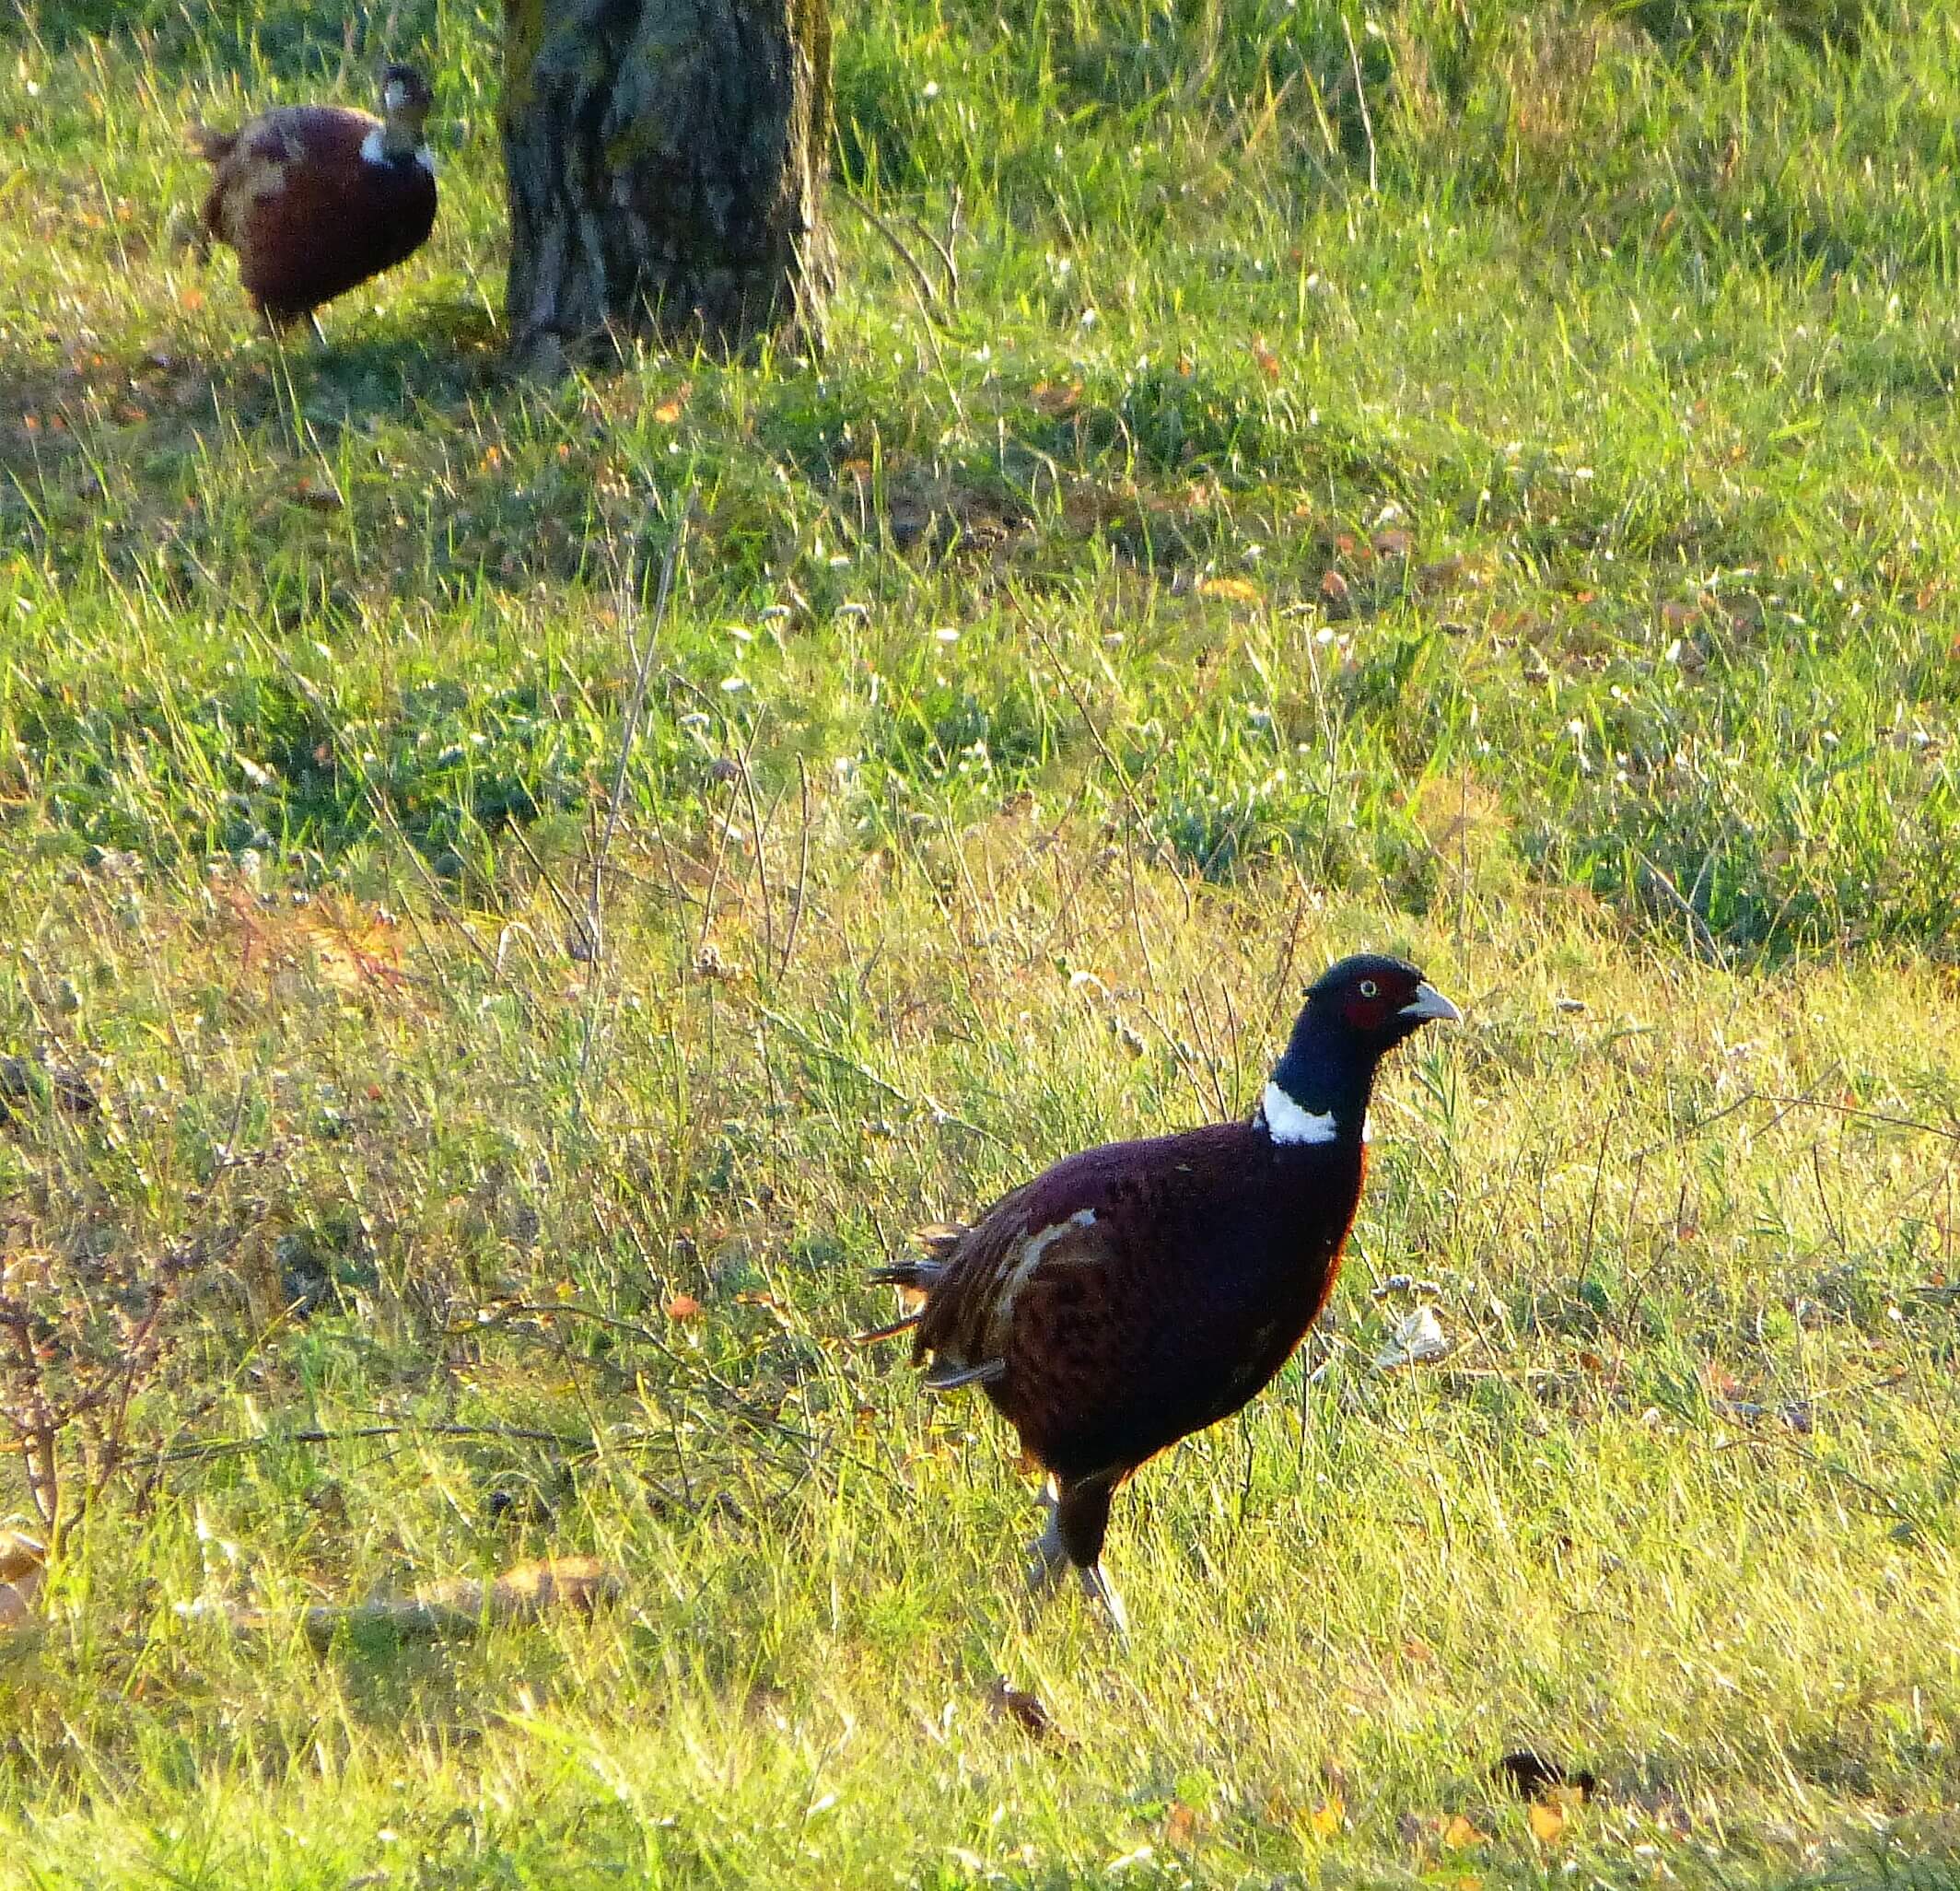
(1370, 989)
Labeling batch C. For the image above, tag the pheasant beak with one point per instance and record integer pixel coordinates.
(1429, 1003)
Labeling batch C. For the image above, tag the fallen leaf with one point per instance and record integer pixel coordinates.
(1548, 1822)
(21, 1272)
(579, 1582)
(22, 1562)
(1025, 1709)
(354, 947)
(1459, 1833)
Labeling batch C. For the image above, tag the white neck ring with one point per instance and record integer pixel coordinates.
(1287, 1121)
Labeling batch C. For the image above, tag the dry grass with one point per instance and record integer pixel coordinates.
(1535, 561)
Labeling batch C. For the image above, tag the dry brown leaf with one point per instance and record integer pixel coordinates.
(20, 1554)
(353, 948)
(1016, 1704)
(531, 1588)
(22, 1561)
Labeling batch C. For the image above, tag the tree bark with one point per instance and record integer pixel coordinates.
(665, 161)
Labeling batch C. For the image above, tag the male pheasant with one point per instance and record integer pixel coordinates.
(317, 198)
(1139, 1291)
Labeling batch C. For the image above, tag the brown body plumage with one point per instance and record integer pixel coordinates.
(1136, 1292)
(316, 199)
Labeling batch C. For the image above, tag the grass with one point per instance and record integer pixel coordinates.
(1456, 479)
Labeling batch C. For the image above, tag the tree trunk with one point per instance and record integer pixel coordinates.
(665, 159)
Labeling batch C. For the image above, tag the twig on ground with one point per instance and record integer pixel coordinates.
(1697, 927)
(927, 289)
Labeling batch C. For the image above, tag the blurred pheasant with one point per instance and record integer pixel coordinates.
(317, 198)
(1136, 1292)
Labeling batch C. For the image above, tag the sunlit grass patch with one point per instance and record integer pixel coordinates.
(1466, 482)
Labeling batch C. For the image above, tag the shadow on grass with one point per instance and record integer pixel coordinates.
(452, 351)
(140, 400)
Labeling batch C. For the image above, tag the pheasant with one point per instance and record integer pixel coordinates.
(317, 198)
(1136, 1292)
